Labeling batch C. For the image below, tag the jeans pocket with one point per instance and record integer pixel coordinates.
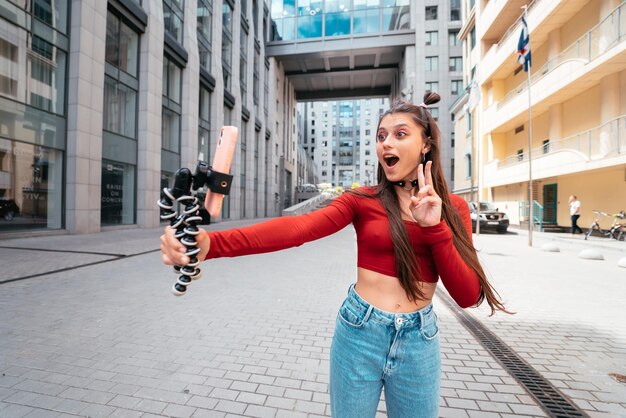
(350, 315)
(430, 327)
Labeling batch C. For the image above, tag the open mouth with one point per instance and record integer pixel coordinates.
(391, 160)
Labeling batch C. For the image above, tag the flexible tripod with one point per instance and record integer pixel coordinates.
(186, 185)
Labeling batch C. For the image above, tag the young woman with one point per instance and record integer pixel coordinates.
(410, 232)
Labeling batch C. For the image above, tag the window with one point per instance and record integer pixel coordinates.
(456, 64)
(455, 10)
(456, 86)
(453, 38)
(434, 112)
(468, 165)
(520, 154)
(546, 146)
(227, 43)
(120, 108)
(170, 128)
(452, 138)
(431, 12)
(243, 65)
(473, 37)
(255, 80)
(121, 48)
(432, 37)
(117, 193)
(204, 128)
(120, 91)
(452, 169)
(204, 28)
(243, 143)
(432, 86)
(432, 64)
(173, 18)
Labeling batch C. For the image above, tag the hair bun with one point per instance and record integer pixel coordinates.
(430, 98)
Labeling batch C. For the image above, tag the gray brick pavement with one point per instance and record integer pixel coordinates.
(252, 337)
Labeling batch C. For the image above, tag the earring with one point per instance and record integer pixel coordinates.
(424, 158)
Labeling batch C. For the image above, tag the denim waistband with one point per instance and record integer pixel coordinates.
(406, 319)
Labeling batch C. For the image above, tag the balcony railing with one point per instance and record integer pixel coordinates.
(514, 29)
(606, 34)
(597, 143)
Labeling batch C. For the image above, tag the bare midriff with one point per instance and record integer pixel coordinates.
(386, 293)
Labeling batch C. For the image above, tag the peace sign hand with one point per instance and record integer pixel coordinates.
(426, 205)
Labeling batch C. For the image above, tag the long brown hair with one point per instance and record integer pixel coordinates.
(406, 265)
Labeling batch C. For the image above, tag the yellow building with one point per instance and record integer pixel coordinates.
(578, 104)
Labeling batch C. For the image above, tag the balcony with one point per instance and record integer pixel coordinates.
(543, 16)
(498, 16)
(600, 147)
(598, 53)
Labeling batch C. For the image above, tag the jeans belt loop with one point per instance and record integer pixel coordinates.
(368, 313)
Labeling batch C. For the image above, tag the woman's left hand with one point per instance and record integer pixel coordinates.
(426, 205)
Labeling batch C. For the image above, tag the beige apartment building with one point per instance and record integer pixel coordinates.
(578, 104)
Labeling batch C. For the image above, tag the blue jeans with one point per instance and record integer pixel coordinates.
(372, 349)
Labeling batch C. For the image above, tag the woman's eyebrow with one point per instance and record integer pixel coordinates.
(398, 126)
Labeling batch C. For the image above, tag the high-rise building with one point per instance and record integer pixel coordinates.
(577, 99)
(340, 137)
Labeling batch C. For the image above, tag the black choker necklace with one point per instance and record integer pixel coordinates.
(402, 184)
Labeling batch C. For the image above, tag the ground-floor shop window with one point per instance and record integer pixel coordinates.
(31, 186)
(117, 193)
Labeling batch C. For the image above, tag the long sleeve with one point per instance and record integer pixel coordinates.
(286, 232)
(458, 278)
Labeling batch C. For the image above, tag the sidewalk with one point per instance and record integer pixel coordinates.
(109, 339)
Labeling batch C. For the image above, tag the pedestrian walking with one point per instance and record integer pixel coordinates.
(410, 232)
(574, 211)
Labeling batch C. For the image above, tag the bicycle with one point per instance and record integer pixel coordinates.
(615, 231)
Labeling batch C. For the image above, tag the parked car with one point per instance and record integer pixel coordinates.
(490, 217)
(8, 209)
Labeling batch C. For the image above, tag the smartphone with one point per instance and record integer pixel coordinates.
(224, 153)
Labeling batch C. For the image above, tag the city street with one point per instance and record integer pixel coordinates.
(89, 327)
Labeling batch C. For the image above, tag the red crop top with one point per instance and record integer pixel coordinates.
(436, 254)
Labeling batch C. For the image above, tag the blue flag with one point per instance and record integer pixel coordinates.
(523, 46)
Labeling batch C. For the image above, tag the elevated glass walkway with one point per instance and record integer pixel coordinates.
(334, 49)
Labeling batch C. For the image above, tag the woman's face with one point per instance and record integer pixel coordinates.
(399, 146)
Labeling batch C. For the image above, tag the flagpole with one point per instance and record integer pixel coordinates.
(530, 144)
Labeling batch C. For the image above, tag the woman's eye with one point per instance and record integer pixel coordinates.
(401, 134)
(381, 137)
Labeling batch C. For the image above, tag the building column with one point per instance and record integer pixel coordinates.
(556, 122)
(609, 110)
(149, 116)
(84, 115)
(554, 43)
(190, 90)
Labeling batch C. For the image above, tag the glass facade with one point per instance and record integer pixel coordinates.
(243, 64)
(204, 126)
(173, 18)
(119, 137)
(204, 28)
(170, 120)
(227, 43)
(33, 70)
(301, 19)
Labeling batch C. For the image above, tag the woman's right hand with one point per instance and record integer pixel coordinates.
(173, 252)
